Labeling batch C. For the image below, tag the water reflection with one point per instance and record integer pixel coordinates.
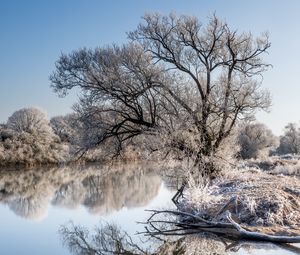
(101, 190)
(111, 239)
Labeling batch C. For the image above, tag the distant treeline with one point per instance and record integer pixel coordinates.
(29, 138)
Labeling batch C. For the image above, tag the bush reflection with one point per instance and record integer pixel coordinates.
(101, 190)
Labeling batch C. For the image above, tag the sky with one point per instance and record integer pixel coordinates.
(34, 33)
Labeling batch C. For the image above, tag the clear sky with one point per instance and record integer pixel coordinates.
(34, 33)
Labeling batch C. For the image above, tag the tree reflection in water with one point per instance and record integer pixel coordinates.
(101, 190)
(110, 239)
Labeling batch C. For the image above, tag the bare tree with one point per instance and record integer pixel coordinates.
(219, 63)
(174, 75)
(290, 141)
(255, 140)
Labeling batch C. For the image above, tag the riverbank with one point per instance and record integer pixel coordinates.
(242, 202)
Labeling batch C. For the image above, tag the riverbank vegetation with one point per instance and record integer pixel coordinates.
(29, 138)
(178, 88)
(182, 91)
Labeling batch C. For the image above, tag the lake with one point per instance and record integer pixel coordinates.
(36, 203)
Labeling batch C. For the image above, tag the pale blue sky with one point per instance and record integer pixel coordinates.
(34, 33)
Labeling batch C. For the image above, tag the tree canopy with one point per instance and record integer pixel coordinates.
(178, 79)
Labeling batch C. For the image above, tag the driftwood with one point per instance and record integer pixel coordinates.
(188, 223)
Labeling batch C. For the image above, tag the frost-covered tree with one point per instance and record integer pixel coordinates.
(30, 120)
(28, 139)
(80, 133)
(175, 74)
(255, 140)
(290, 141)
(67, 127)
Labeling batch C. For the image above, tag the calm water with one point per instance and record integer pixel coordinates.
(35, 203)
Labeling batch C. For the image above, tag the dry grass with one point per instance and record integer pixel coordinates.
(262, 199)
(200, 195)
(287, 169)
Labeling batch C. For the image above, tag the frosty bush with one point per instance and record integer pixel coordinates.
(30, 120)
(255, 140)
(28, 139)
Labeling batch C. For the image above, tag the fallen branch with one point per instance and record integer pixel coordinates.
(188, 223)
(256, 236)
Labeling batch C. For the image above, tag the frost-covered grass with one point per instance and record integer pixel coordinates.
(280, 162)
(201, 195)
(257, 198)
(287, 169)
